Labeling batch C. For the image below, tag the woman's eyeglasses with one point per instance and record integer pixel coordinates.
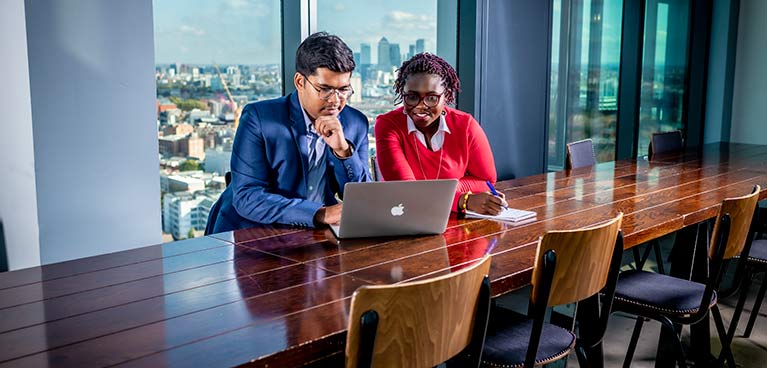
(325, 92)
(414, 99)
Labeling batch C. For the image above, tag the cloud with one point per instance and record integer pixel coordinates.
(339, 7)
(186, 29)
(245, 8)
(409, 21)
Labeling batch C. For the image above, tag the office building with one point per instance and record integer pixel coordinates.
(384, 56)
(420, 45)
(184, 212)
(365, 54)
(394, 55)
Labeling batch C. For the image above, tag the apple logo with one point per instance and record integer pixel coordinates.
(398, 210)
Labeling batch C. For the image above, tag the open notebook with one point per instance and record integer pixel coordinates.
(507, 214)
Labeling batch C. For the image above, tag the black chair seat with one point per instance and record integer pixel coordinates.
(508, 336)
(758, 252)
(668, 295)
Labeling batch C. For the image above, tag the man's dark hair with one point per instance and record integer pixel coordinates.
(427, 63)
(323, 50)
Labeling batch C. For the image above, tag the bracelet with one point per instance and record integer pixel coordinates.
(465, 200)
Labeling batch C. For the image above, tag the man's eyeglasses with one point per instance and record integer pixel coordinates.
(325, 92)
(413, 99)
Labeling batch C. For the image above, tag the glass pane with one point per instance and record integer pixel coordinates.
(664, 69)
(382, 34)
(584, 99)
(212, 57)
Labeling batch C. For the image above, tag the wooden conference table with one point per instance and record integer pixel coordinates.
(278, 296)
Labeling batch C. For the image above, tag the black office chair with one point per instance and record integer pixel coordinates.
(665, 143)
(3, 251)
(570, 266)
(670, 300)
(375, 171)
(580, 154)
(216, 208)
(660, 143)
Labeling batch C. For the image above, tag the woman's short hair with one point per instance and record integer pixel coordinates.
(323, 50)
(426, 63)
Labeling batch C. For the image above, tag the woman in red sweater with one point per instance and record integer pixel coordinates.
(426, 139)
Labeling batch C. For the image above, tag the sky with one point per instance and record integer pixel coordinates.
(247, 31)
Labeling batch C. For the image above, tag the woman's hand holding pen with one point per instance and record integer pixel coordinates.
(486, 203)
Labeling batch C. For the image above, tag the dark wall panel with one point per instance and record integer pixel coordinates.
(514, 88)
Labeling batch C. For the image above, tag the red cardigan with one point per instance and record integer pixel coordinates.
(466, 154)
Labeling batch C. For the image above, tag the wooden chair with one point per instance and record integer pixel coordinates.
(570, 266)
(670, 300)
(580, 154)
(422, 323)
(757, 263)
(665, 143)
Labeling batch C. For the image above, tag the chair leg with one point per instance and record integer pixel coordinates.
(744, 286)
(640, 260)
(633, 342)
(726, 353)
(658, 257)
(637, 258)
(681, 360)
(755, 309)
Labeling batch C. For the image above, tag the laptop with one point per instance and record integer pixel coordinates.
(390, 208)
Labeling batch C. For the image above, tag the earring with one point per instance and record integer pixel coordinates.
(444, 113)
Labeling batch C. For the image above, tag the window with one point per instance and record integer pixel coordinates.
(382, 35)
(212, 57)
(586, 43)
(664, 68)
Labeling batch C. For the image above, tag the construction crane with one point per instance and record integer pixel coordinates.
(231, 98)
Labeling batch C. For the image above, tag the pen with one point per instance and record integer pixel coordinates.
(338, 199)
(492, 190)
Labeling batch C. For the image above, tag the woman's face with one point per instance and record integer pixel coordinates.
(424, 98)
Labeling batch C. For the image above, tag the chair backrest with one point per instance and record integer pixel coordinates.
(228, 178)
(580, 154)
(665, 142)
(419, 324)
(375, 171)
(741, 212)
(583, 261)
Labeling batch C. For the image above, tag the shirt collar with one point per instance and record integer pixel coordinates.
(442, 125)
(308, 122)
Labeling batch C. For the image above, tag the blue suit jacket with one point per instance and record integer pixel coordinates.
(270, 162)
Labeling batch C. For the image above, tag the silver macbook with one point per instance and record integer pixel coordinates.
(391, 208)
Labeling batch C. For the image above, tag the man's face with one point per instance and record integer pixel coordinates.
(311, 89)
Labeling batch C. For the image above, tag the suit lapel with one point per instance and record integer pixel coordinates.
(298, 129)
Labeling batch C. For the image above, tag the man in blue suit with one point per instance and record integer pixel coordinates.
(292, 154)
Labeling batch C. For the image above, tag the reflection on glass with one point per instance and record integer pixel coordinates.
(586, 42)
(212, 58)
(382, 35)
(664, 68)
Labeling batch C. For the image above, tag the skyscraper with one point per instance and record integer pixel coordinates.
(357, 58)
(384, 59)
(394, 55)
(420, 45)
(410, 51)
(365, 54)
